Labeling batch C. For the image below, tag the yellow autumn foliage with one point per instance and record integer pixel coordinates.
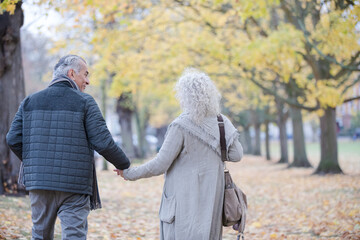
(143, 46)
(328, 95)
(8, 6)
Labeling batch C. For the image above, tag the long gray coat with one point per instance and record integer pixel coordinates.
(192, 199)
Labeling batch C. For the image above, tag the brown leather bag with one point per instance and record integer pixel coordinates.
(235, 202)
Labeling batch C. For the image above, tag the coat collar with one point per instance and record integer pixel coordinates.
(208, 131)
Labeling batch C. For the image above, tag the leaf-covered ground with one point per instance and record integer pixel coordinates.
(283, 204)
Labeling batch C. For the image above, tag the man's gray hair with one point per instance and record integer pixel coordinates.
(66, 63)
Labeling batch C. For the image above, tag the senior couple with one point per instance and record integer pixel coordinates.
(55, 132)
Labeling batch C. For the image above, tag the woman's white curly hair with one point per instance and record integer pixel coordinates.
(197, 94)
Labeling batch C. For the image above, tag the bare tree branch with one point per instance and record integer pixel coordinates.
(247, 30)
(352, 84)
(345, 79)
(351, 99)
(262, 31)
(270, 91)
(343, 4)
(288, 11)
(198, 13)
(288, 101)
(344, 70)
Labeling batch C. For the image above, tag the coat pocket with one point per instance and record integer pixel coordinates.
(167, 209)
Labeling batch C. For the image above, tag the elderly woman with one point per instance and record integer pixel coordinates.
(190, 157)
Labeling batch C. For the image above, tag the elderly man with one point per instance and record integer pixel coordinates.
(55, 133)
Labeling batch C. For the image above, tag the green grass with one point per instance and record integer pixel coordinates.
(346, 148)
(348, 153)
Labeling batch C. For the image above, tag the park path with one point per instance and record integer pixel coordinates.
(283, 204)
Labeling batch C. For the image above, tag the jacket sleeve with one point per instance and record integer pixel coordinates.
(169, 151)
(14, 136)
(100, 137)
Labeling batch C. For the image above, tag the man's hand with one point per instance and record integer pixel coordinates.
(119, 172)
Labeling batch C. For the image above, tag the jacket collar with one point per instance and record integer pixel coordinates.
(64, 78)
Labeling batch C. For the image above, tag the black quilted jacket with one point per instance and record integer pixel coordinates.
(54, 133)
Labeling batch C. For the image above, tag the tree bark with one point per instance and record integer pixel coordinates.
(281, 121)
(12, 92)
(103, 109)
(125, 113)
(328, 142)
(142, 119)
(314, 130)
(267, 141)
(256, 120)
(257, 147)
(247, 144)
(160, 135)
(300, 158)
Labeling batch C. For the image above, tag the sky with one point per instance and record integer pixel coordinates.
(39, 20)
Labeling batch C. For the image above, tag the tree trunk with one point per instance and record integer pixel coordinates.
(142, 119)
(12, 92)
(160, 135)
(247, 142)
(281, 121)
(103, 109)
(267, 141)
(328, 141)
(257, 147)
(314, 130)
(300, 158)
(125, 112)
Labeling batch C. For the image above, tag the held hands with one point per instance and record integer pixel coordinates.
(119, 172)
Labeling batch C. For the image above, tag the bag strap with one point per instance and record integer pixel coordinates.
(222, 137)
(224, 158)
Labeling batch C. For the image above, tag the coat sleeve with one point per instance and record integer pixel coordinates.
(169, 151)
(100, 137)
(235, 152)
(14, 136)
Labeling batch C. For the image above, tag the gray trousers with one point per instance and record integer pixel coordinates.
(72, 209)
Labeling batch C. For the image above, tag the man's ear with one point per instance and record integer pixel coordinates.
(71, 74)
